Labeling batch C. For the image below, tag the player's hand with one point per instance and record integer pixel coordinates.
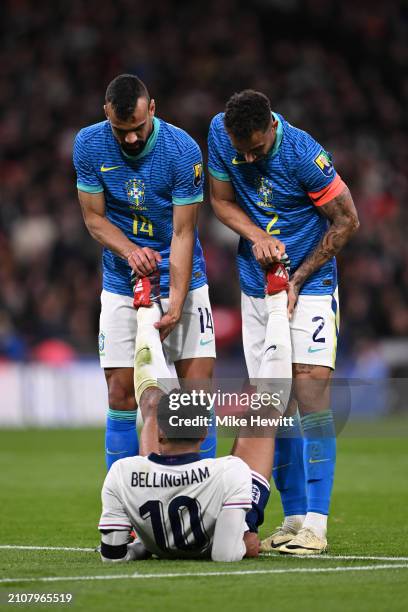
(267, 250)
(167, 323)
(143, 260)
(252, 543)
(293, 294)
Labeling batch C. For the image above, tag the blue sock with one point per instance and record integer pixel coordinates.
(260, 495)
(319, 459)
(288, 472)
(121, 435)
(208, 448)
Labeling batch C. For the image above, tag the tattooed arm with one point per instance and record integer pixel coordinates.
(344, 222)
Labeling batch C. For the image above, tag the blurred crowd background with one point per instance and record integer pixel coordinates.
(335, 69)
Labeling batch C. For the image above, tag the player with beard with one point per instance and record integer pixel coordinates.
(277, 187)
(140, 183)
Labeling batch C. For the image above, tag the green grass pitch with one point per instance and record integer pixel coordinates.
(50, 486)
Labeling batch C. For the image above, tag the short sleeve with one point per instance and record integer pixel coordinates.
(316, 172)
(113, 512)
(188, 177)
(87, 179)
(237, 484)
(216, 166)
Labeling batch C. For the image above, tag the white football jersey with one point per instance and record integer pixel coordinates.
(173, 501)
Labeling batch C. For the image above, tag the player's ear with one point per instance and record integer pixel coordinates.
(152, 107)
(105, 108)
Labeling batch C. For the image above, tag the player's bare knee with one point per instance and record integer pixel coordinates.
(197, 368)
(312, 386)
(121, 396)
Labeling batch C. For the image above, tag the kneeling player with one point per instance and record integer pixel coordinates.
(180, 506)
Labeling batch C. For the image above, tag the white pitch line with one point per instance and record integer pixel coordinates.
(17, 547)
(300, 570)
(323, 557)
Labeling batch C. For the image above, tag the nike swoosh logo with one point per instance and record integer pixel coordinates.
(210, 448)
(204, 342)
(271, 348)
(318, 460)
(236, 162)
(278, 467)
(108, 452)
(312, 350)
(108, 168)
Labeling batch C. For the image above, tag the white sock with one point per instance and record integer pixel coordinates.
(317, 523)
(151, 369)
(276, 364)
(294, 522)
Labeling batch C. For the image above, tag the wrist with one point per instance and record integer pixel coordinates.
(129, 251)
(297, 280)
(174, 311)
(256, 233)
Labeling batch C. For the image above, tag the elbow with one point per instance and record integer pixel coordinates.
(185, 233)
(109, 560)
(355, 224)
(227, 554)
(224, 558)
(92, 227)
(217, 208)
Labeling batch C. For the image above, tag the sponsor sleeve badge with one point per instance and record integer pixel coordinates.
(198, 174)
(324, 162)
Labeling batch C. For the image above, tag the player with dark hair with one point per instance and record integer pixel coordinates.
(123, 93)
(140, 183)
(247, 113)
(269, 182)
(180, 505)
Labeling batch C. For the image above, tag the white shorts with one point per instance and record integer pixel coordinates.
(193, 335)
(314, 329)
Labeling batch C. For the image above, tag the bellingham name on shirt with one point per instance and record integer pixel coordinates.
(156, 479)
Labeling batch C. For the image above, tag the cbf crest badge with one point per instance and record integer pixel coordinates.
(135, 189)
(264, 192)
(101, 343)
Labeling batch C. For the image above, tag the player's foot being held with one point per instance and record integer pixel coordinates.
(281, 536)
(277, 276)
(146, 289)
(306, 542)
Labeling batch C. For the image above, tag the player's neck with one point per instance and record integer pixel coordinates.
(179, 448)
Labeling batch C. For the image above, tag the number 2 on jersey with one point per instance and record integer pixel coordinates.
(142, 225)
(319, 328)
(269, 227)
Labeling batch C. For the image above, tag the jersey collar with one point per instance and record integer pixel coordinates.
(278, 137)
(174, 459)
(149, 144)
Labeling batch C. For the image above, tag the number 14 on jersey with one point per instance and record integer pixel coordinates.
(142, 225)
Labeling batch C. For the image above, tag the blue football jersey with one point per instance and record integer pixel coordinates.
(273, 192)
(140, 192)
